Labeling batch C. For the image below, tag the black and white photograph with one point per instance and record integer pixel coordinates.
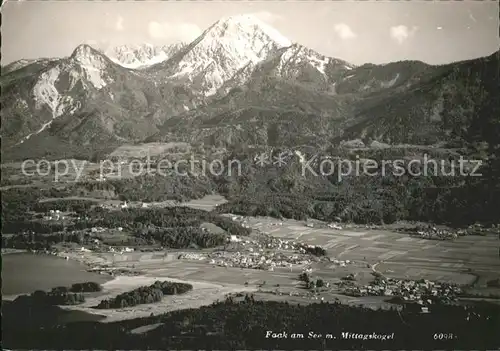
(236, 175)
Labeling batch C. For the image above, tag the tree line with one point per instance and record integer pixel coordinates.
(145, 294)
(59, 295)
(175, 227)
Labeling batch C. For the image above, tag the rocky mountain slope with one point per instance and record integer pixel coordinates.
(240, 82)
(16, 65)
(85, 99)
(403, 102)
(436, 104)
(293, 63)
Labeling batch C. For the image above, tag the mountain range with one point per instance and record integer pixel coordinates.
(239, 82)
(141, 56)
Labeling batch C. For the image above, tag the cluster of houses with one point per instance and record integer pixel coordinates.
(112, 249)
(265, 252)
(121, 250)
(436, 234)
(433, 233)
(124, 205)
(250, 259)
(479, 229)
(334, 226)
(423, 292)
(341, 263)
(54, 215)
(258, 260)
(241, 219)
(97, 229)
(266, 241)
(193, 256)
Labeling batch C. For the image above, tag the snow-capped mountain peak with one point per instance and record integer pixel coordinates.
(223, 49)
(142, 55)
(86, 54)
(246, 25)
(293, 63)
(298, 54)
(93, 66)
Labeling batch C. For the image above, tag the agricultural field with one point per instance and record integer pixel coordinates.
(394, 254)
(467, 261)
(149, 149)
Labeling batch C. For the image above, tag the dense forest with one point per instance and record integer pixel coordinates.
(60, 295)
(85, 287)
(152, 188)
(175, 227)
(436, 197)
(57, 296)
(77, 206)
(244, 325)
(282, 192)
(453, 200)
(285, 192)
(145, 295)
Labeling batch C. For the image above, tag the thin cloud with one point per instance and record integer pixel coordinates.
(344, 31)
(401, 33)
(115, 23)
(119, 24)
(174, 31)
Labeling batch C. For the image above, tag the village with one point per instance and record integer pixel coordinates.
(422, 292)
(266, 253)
(360, 262)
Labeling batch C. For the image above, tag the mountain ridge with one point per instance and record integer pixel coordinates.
(220, 51)
(265, 85)
(142, 55)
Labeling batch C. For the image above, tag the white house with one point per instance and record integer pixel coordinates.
(234, 239)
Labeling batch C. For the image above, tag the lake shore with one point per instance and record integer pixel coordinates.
(42, 271)
(202, 294)
(7, 251)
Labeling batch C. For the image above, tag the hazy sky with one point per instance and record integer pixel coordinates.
(358, 32)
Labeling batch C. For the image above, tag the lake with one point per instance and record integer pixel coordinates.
(23, 273)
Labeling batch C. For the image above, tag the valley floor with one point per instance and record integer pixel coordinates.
(468, 261)
(203, 294)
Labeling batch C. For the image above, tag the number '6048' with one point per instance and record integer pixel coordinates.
(443, 336)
